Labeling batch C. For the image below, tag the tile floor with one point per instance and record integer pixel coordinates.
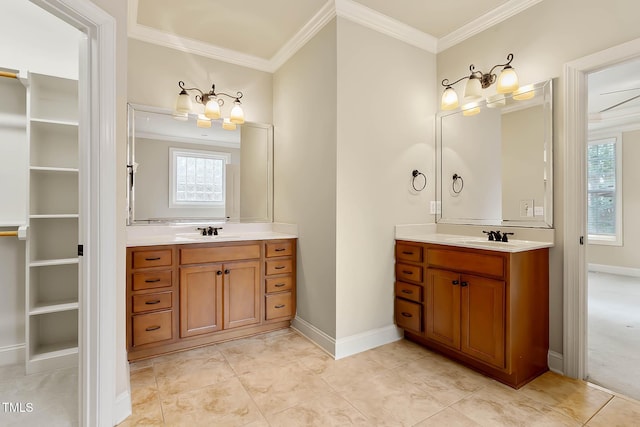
(282, 379)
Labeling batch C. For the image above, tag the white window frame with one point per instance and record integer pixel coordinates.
(616, 239)
(174, 152)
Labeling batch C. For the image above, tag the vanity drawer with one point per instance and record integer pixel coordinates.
(278, 284)
(279, 305)
(411, 253)
(411, 273)
(409, 291)
(152, 279)
(280, 248)
(152, 258)
(470, 262)
(151, 302)
(278, 266)
(219, 254)
(152, 327)
(408, 315)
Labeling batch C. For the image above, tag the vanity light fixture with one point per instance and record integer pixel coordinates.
(524, 93)
(506, 82)
(212, 103)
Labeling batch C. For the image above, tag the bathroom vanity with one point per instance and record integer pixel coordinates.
(485, 304)
(202, 290)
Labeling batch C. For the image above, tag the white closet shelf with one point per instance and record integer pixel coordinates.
(55, 122)
(51, 351)
(62, 261)
(53, 308)
(53, 216)
(52, 169)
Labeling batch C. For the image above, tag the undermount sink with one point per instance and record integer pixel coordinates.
(489, 243)
(200, 238)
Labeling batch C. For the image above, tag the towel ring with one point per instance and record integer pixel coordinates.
(457, 177)
(416, 173)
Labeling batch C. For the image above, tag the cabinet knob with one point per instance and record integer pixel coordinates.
(463, 284)
(219, 272)
(152, 328)
(227, 271)
(455, 282)
(405, 314)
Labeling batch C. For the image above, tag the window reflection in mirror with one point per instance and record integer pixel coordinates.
(503, 154)
(179, 172)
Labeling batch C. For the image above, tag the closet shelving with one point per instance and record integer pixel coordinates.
(52, 261)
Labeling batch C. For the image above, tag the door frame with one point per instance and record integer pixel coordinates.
(575, 200)
(97, 224)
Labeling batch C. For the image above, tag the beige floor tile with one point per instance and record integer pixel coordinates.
(148, 413)
(326, 411)
(282, 387)
(292, 346)
(338, 373)
(388, 399)
(223, 404)
(619, 412)
(499, 405)
(193, 372)
(143, 377)
(141, 364)
(256, 356)
(448, 417)
(397, 353)
(573, 398)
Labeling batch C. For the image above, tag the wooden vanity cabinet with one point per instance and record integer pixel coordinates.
(487, 309)
(183, 296)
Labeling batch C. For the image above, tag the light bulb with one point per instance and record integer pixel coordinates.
(472, 90)
(183, 102)
(237, 115)
(507, 81)
(212, 109)
(203, 121)
(228, 124)
(449, 99)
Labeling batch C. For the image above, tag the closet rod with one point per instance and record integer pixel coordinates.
(8, 75)
(8, 233)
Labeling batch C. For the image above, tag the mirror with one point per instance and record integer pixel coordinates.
(494, 167)
(178, 172)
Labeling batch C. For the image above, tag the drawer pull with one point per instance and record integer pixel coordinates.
(157, 301)
(455, 282)
(463, 284)
(280, 249)
(405, 314)
(153, 259)
(279, 306)
(152, 328)
(407, 252)
(407, 272)
(279, 285)
(407, 291)
(280, 267)
(152, 280)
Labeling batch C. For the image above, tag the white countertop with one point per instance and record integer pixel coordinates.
(477, 242)
(187, 234)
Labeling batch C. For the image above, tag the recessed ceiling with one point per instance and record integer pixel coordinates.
(264, 34)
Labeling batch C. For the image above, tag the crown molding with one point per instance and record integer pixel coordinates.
(370, 18)
(488, 20)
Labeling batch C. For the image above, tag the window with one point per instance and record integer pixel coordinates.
(604, 191)
(197, 178)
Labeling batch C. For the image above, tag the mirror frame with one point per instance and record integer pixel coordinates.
(546, 221)
(131, 220)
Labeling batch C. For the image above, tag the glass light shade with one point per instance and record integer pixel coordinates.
(227, 124)
(507, 81)
(237, 115)
(212, 109)
(525, 92)
(496, 100)
(449, 99)
(183, 103)
(472, 90)
(203, 121)
(183, 117)
(470, 109)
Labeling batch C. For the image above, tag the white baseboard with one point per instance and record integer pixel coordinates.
(12, 354)
(366, 340)
(122, 407)
(323, 340)
(556, 362)
(613, 269)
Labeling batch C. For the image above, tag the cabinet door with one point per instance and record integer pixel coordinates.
(442, 302)
(200, 300)
(241, 294)
(483, 319)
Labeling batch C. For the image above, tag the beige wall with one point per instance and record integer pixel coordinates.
(305, 94)
(543, 38)
(385, 130)
(626, 255)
